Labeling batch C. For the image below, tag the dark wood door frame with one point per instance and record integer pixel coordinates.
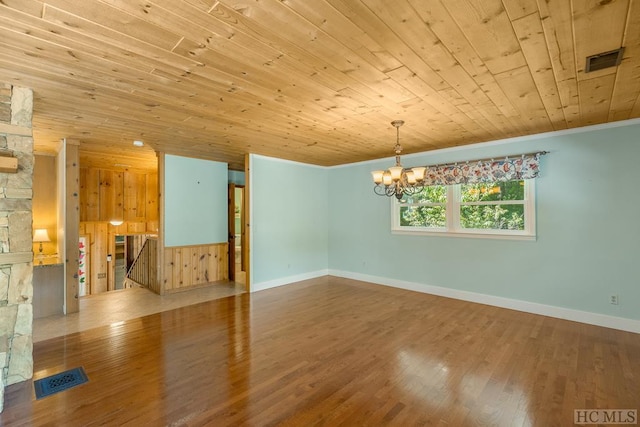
(232, 231)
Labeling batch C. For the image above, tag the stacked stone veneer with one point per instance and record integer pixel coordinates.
(16, 255)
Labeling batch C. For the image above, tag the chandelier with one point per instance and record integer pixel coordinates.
(398, 181)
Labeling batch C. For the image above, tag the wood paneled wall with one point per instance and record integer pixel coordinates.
(133, 198)
(101, 242)
(194, 266)
(107, 195)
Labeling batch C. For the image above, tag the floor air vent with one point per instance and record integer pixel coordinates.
(604, 60)
(59, 382)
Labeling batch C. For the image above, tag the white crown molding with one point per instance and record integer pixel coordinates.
(291, 162)
(178, 156)
(555, 133)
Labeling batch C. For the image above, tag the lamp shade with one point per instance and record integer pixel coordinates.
(396, 172)
(41, 235)
(411, 179)
(419, 173)
(377, 176)
(116, 222)
(386, 178)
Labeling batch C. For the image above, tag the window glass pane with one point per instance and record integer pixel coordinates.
(493, 191)
(422, 216)
(432, 194)
(496, 217)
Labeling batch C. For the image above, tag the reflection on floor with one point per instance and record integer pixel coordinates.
(116, 306)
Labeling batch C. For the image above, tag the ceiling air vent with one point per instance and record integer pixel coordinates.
(604, 60)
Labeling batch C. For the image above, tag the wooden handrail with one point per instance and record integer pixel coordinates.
(144, 270)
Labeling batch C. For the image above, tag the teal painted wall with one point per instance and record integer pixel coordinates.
(588, 227)
(236, 177)
(195, 201)
(289, 208)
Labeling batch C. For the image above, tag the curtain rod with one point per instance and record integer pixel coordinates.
(490, 159)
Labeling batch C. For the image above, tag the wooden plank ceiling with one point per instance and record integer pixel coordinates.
(313, 81)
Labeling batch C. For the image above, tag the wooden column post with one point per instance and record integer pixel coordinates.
(71, 225)
(246, 218)
(161, 215)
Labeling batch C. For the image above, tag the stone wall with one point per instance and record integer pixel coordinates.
(16, 256)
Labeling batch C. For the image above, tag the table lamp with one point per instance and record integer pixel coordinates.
(39, 236)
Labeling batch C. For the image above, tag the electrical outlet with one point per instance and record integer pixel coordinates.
(613, 299)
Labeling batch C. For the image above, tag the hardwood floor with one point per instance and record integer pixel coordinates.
(333, 352)
(115, 306)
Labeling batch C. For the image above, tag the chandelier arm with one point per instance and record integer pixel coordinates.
(390, 190)
(380, 190)
(410, 191)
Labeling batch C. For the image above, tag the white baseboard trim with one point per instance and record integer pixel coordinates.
(621, 323)
(255, 287)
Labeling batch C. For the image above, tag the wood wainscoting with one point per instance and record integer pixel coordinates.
(187, 267)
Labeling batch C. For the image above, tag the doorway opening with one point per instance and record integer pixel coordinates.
(237, 239)
(120, 259)
(127, 248)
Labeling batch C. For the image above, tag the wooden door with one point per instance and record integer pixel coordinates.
(243, 236)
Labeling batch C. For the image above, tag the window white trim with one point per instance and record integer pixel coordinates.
(453, 228)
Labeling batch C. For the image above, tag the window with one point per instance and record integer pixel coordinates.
(489, 209)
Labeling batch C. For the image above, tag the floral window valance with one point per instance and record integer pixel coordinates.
(525, 166)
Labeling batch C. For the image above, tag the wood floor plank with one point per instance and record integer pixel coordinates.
(332, 352)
